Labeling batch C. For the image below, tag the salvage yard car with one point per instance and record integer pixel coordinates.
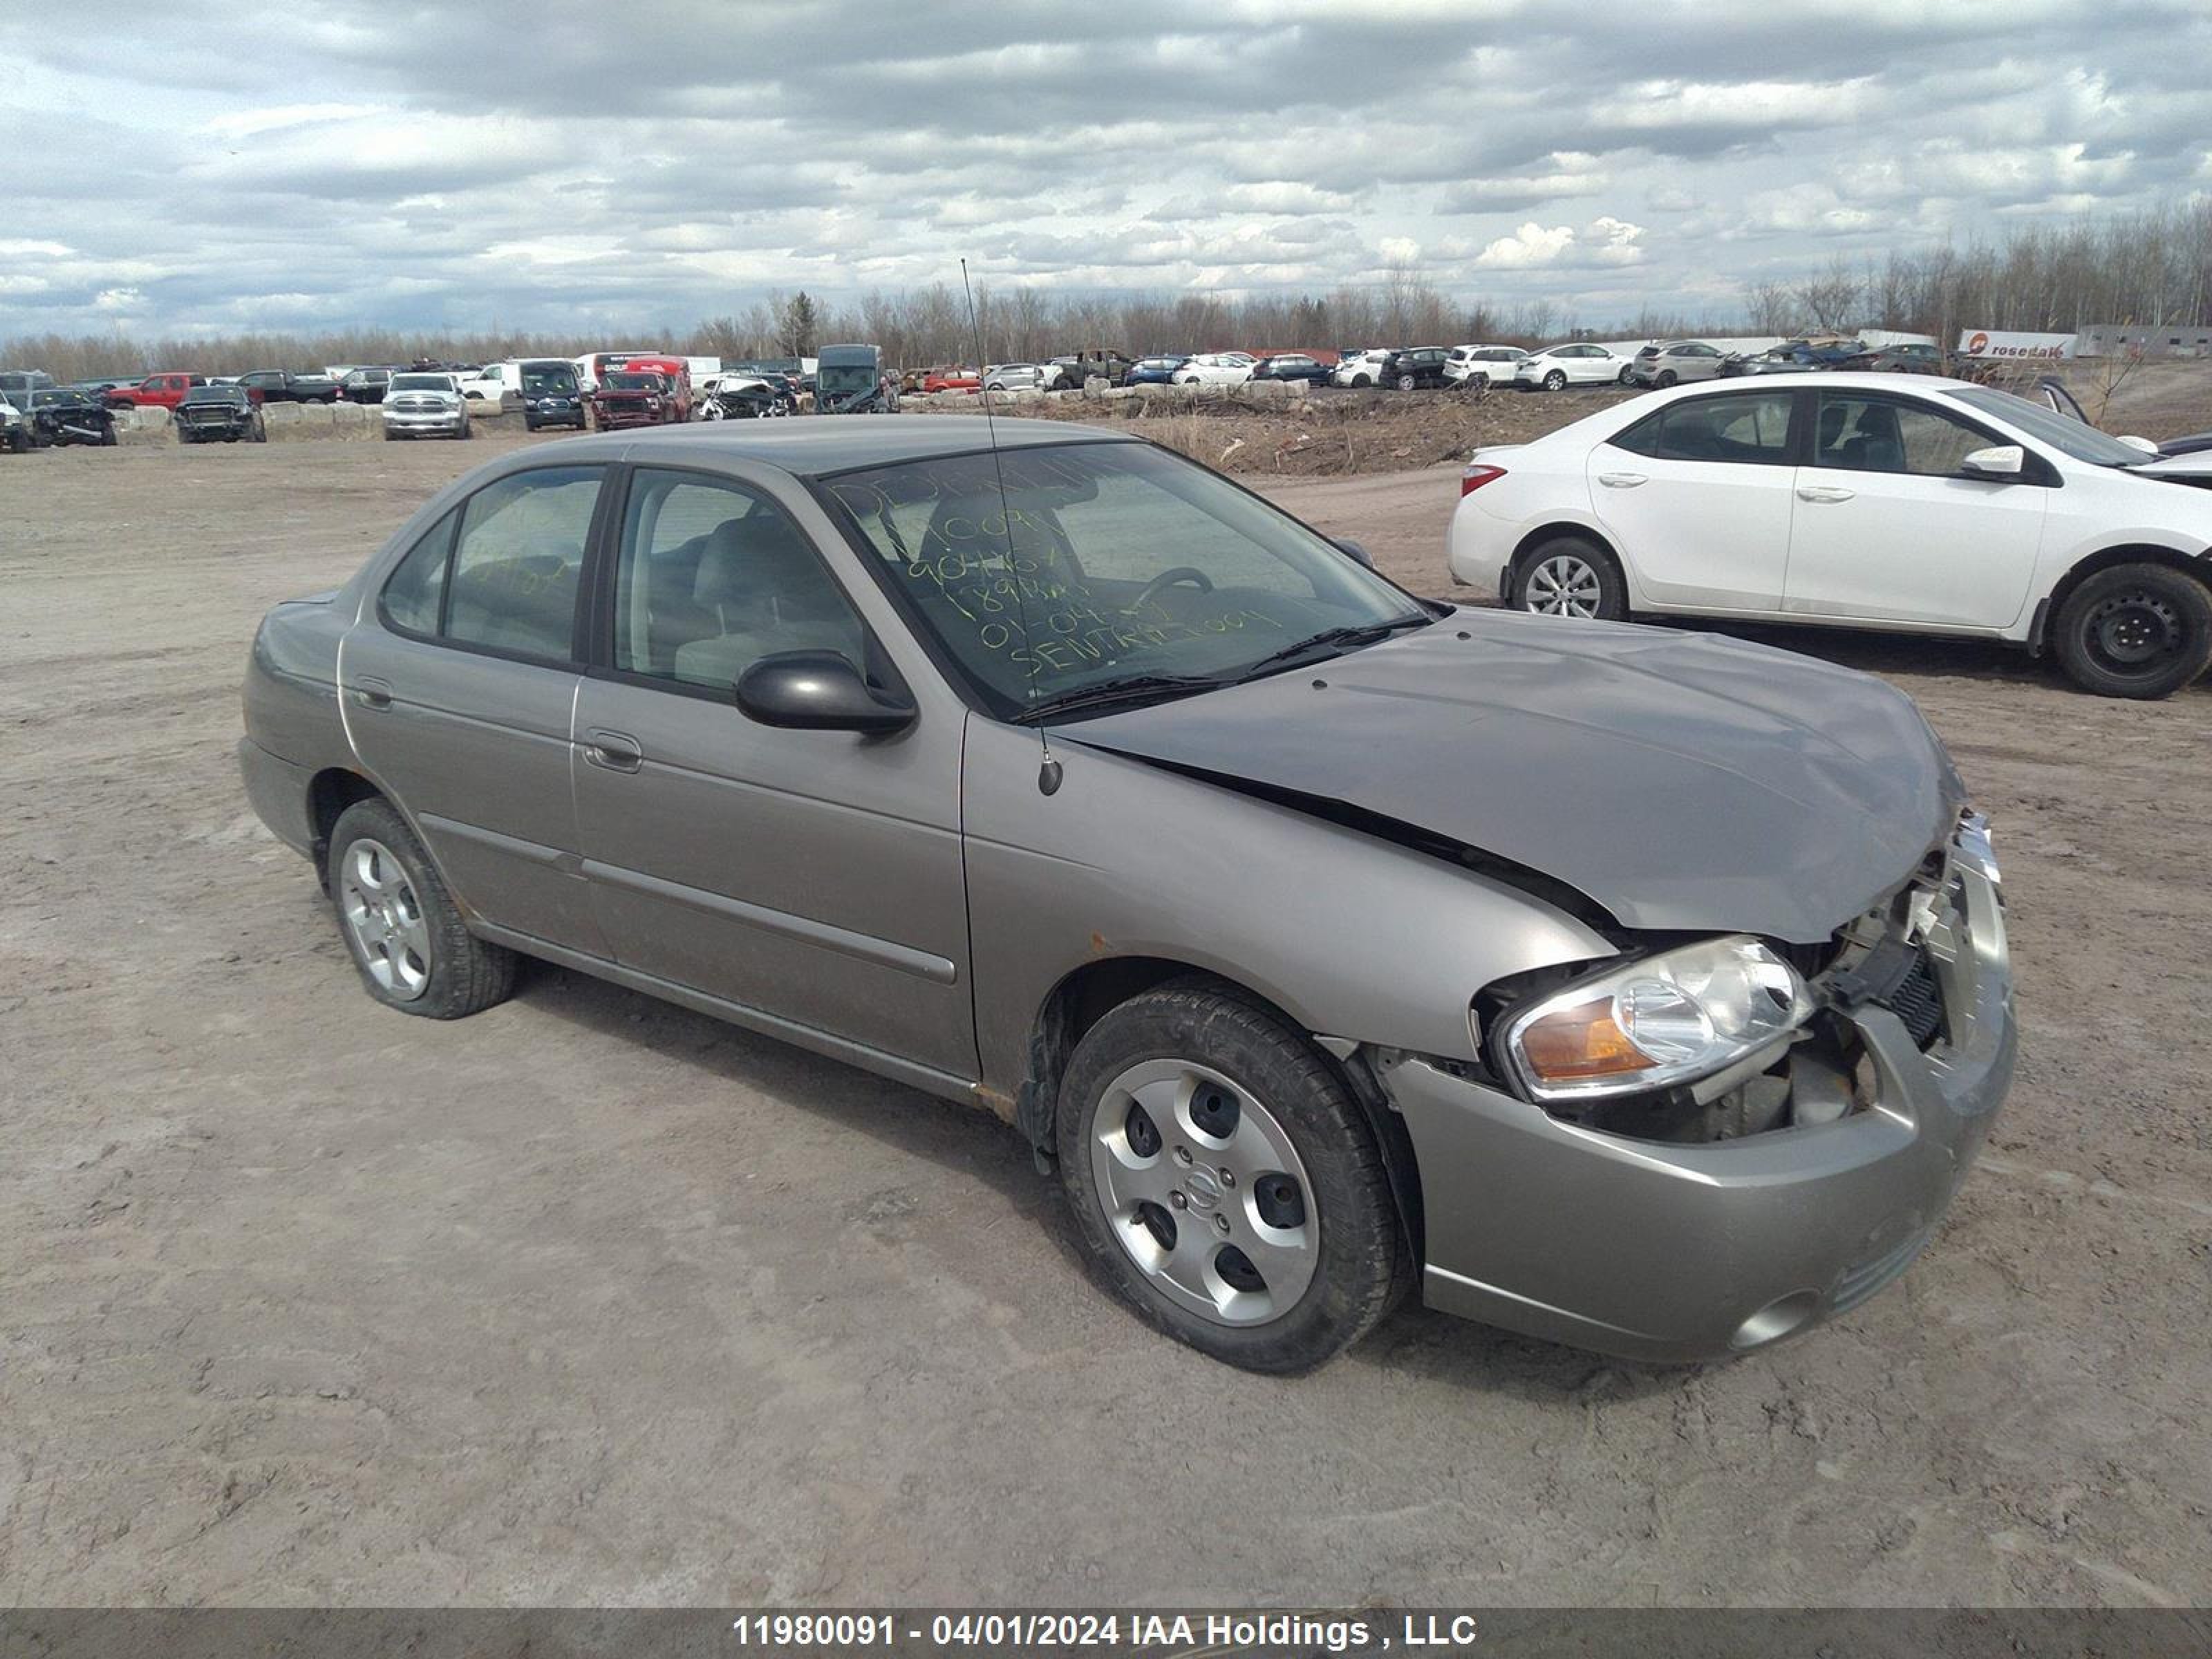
(627, 397)
(1859, 500)
(420, 401)
(64, 415)
(1578, 362)
(1072, 780)
(224, 413)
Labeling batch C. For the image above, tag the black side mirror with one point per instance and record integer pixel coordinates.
(818, 691)
(1357, 551)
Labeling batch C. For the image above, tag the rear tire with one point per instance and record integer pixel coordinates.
(1569, 576)
(2135, 630)
(1274, 1243)
(1556, 380)
(400, 924)
(1666, 379)
(1406, 383)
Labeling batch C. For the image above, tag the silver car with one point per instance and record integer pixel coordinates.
(418, 402)
(1640, 989)
(1665, 363)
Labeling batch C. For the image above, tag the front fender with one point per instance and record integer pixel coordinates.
(1349, 934)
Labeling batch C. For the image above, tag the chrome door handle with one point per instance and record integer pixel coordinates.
(618, 751)
(372, 693)
(1621, 480)
(1824, 492)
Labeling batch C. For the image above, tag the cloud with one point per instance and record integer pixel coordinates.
(1604, 242)
(676, 159)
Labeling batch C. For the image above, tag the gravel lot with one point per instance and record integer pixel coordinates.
(589, 1299)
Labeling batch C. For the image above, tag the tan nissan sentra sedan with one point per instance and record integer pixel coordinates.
(1640, 989)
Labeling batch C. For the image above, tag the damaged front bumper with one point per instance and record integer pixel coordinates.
(1666, 1251)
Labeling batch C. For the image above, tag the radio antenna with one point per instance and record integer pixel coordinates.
(1048, 772)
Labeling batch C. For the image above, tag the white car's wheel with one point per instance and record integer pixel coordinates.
(1568, 576)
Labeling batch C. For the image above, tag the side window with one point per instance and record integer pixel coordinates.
(1741, 429)
(1870, 434)
(1643, 438)
(711, 577)
(519, 562)
(415, 592)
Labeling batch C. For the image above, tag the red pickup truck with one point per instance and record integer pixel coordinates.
(155, 392)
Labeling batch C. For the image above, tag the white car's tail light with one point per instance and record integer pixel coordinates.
(1478, 474)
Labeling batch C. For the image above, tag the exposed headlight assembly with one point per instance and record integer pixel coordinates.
(1673, 1018)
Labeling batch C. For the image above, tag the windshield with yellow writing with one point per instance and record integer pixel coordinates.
(1102, 562)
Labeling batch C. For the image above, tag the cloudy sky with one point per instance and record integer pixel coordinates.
(559, 164)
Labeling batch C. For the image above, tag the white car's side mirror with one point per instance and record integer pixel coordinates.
(1997, 461)
(2144, 444)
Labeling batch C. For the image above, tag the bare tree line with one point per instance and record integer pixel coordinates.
(2152, 268)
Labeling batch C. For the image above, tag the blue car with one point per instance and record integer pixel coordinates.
(1154, 371)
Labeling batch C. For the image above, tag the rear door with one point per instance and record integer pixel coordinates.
(1699, 499)
(1889, 529)
(813, 876)
(457, 684)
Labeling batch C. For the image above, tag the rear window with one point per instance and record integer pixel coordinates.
(1745, 430)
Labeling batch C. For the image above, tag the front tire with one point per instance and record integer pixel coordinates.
(1226, 1184)
(1621, 379)
(2135, 630)
(400, 924)
(1568, 576)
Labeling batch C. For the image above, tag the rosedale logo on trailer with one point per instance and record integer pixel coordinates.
(1984, 343)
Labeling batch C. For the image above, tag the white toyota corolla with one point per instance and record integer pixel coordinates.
(1851, 501)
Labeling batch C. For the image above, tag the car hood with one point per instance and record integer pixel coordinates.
(1676, 780)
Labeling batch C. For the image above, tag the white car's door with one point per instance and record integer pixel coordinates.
(1699, 497)
(1889, 528)
(1594, 365)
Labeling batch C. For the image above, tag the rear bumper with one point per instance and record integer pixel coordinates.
(278, 792)
(1672, 1253)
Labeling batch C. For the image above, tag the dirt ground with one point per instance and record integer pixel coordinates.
(588, 1299)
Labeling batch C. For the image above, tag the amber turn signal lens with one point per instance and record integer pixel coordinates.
(1582, 1042)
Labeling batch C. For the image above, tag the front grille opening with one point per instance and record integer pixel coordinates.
(1918, 1001)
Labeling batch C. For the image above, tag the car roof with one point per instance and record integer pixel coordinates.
(813, 446)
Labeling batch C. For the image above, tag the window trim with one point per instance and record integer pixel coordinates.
(2039, 471)
(458, 512)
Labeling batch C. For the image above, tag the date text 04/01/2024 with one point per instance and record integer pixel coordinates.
(1092, 1630)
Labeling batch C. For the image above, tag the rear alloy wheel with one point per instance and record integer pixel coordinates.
(1406, 383)
(1225, 1181)
(401, 926)
(1556, 380)
(2137, 630)
(1570, 577)
(1666, 379)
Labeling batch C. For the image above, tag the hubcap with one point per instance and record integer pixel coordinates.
(386, 920)
(1564, 586)
(2134, 631)
(1204, 1191)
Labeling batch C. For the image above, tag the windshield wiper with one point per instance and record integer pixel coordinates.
(1137, 688)
(1349, 637)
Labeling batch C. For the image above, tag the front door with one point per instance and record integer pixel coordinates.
(457, 688)
(1698, 499)
(815, 877)
(1888, 528)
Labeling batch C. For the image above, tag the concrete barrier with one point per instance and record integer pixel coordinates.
(290, 423)
(145, 426)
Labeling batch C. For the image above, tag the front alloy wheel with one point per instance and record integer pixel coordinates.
(1569, 577)
(1204, 1191)
(1225, 1181)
